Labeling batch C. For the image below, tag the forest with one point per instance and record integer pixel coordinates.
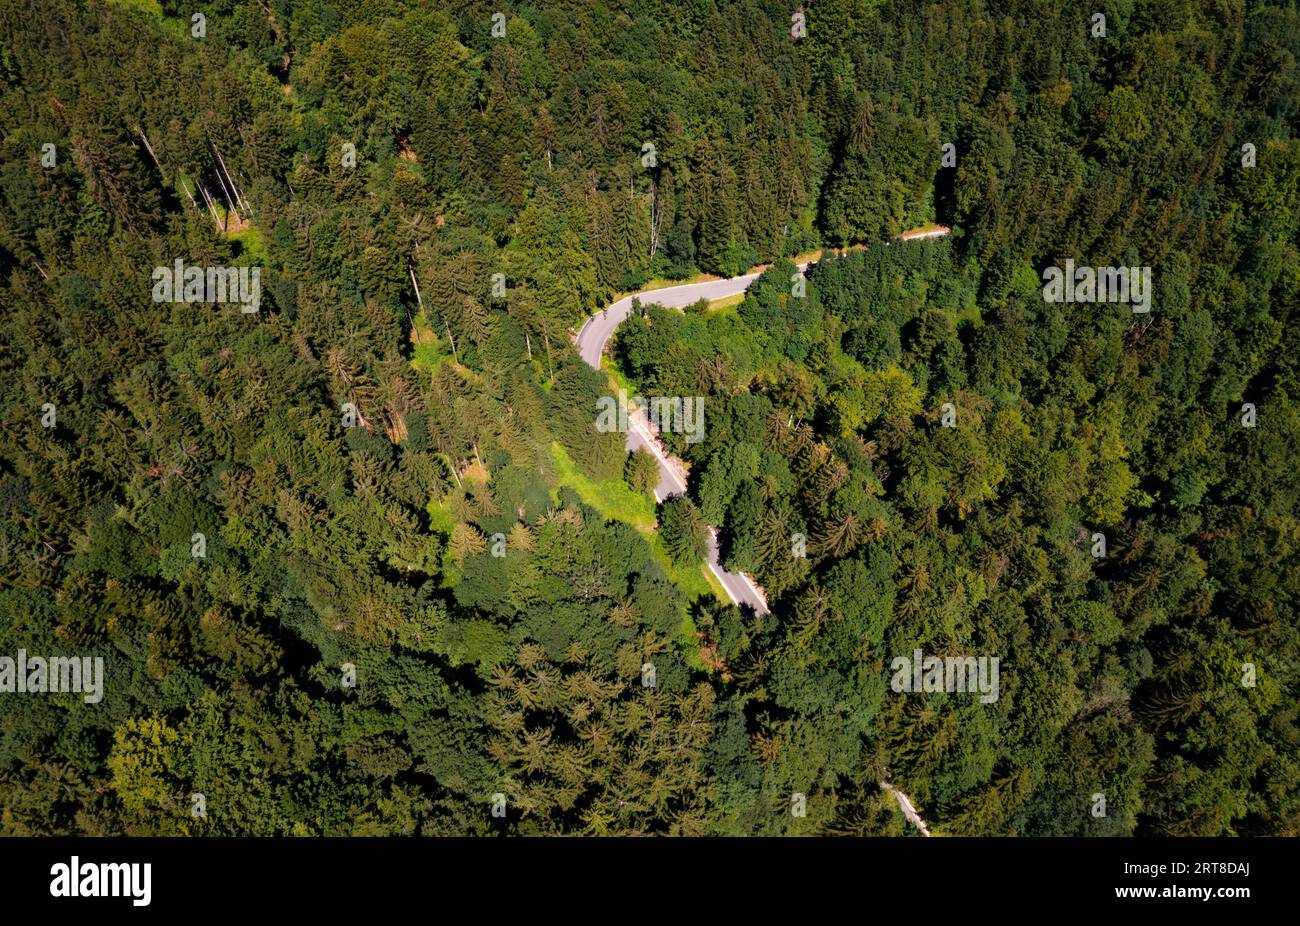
(358, 561)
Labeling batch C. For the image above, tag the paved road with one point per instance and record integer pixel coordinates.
(592, 338)
(595, 334)
(905, 804)
(597, 329)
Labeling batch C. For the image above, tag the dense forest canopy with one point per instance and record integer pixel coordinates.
(281, 529)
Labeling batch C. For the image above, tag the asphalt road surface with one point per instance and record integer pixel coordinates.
(593, 337)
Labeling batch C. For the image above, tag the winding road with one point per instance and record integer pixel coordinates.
(595, 334)
(592, 338)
